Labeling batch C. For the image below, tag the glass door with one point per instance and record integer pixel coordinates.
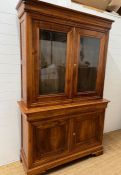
(52, 61)
(89, 63)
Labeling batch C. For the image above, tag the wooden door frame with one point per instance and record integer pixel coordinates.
(36, 26)
(98, 93)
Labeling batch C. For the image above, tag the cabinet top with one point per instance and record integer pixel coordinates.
(97, 104)
(44, 8)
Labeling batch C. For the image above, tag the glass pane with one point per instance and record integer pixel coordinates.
(88, 62)
(52, 62)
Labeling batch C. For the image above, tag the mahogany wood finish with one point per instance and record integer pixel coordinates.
(58, 128)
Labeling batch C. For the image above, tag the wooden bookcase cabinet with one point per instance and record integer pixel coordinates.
(63, 59)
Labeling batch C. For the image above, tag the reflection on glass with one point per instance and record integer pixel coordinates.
(88, 62)
(52, 62)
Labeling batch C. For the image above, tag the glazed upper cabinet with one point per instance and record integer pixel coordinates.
(62, 73)
(68, 62)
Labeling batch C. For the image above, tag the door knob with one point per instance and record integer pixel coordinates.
(74, 65)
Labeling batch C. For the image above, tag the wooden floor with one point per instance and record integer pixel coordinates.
(107, 164)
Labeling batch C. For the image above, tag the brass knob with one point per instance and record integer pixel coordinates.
(74, 65)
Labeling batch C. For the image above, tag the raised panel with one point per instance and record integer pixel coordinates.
(86, 129)
(50, 138)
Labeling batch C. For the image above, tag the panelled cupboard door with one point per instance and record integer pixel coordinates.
(50, 139)
(87, 130)
(89, 63)
(52, 48)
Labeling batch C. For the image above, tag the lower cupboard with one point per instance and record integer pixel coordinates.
(56, 136)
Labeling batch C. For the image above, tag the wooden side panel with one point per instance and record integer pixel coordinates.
(25, 143)
(23, 60)
(26, 61)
